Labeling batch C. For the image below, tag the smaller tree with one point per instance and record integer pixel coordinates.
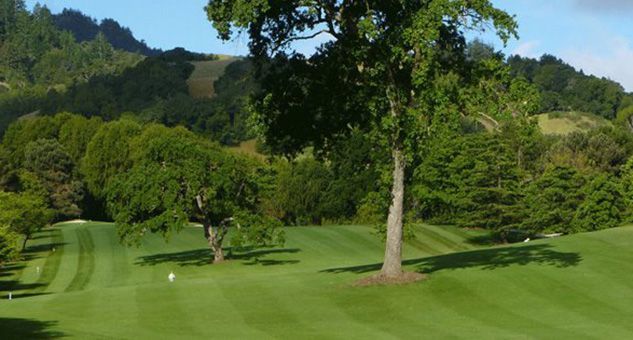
(177, 178)
(23, 214)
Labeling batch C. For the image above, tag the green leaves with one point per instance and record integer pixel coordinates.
(23, 214)
(176, 178)
(9, 244)
(603, 206)
(551, 201)
(107, 154)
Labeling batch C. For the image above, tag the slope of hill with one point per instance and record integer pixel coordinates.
(549, 288)
(562, 123)
(563, 88)
(205, 74)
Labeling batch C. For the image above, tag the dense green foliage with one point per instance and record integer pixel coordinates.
(176, 178)
(515, 181)
(603, 207)
(21, 214)
(107, 154)
(53, 171)
(9, 245)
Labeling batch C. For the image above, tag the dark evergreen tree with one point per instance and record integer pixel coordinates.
(552, 200)
(603, 206)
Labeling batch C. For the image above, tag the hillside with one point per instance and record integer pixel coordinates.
(550, 288)
(562, 123)
(206, 72)
(85, 28)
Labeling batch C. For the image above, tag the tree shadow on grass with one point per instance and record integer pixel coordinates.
(43, 247)
(10, 269)
(19, 290)
(202, 257)
(13, 328)
(486, 259)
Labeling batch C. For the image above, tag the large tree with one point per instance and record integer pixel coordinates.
(385, 66)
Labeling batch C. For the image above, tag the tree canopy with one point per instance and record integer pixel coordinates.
(178, 178)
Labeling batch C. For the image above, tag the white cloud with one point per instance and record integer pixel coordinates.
(527, 49)
(616, 63)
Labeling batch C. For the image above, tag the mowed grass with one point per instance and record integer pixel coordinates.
(562, 123)
(92, 287)
(205, 74)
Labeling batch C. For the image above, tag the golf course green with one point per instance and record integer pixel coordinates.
(91, 287)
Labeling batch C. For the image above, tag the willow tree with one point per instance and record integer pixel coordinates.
(377, 69)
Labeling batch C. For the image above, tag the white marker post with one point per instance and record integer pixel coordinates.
(10, 296)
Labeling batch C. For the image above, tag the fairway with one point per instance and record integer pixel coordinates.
(92, 287)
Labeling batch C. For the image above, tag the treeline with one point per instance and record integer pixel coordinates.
(563, 88)
(85, 28)
(156, 90)
(515, 185)
(33, 51)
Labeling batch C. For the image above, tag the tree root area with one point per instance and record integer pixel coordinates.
(383, 280)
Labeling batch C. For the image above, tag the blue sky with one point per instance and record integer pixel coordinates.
(593, 35)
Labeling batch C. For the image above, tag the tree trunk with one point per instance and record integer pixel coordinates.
(215, 244)
(24, 243)
(392, 267)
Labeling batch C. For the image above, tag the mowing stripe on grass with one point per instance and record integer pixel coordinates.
(51, 266)
(86, 264)
(439, 239)
(448, 233)
(424, 246)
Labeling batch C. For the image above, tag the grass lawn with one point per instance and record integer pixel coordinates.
(91, 287)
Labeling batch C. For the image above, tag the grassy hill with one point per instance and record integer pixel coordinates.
(205, 73)
(562, 123)
(91, 287)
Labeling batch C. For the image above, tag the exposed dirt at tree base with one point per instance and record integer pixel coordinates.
(383, 280)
